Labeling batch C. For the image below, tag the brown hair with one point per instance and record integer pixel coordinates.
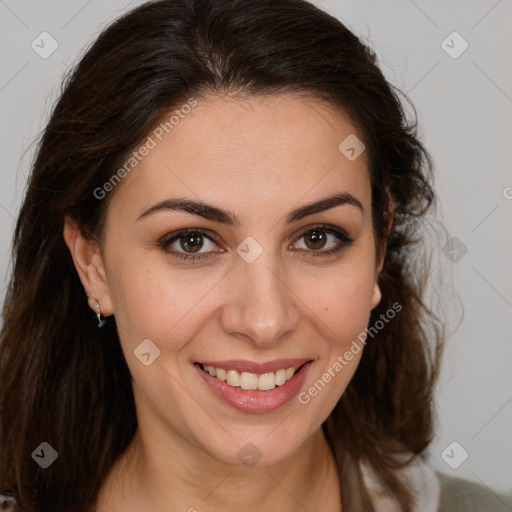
(66, 382)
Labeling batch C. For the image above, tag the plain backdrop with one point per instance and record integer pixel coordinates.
(461, 86)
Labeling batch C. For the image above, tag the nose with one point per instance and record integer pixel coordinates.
(261, 306)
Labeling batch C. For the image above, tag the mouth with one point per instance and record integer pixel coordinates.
(268, 389)
(252, 381)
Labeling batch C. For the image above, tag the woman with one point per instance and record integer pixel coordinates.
(233, 190)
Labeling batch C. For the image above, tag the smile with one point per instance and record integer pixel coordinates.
(251, 387)
(252, 381)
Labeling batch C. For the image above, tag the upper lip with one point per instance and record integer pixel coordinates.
(242, 365)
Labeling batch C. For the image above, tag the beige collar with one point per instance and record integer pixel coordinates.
(423, 479)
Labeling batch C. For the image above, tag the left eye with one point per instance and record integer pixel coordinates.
(316, 239)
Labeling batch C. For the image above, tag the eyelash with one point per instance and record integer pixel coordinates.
(166, 241)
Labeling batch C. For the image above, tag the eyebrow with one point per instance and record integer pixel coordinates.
(216, 214)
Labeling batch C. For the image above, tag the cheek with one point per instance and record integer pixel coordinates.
(344, 303)
(344, 308)
(153, 298)
(156, 300)
(167, 301)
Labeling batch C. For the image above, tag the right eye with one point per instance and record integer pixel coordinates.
(186, 244)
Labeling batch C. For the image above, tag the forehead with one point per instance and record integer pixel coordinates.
(250, 151)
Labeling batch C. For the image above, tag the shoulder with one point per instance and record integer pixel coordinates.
(461, 495)
(436, 492)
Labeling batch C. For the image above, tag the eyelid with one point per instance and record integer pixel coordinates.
(176, 235)
(328, 228)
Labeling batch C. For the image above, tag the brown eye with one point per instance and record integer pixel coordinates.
(315, 239)
(191, 242)
(322, 241)
(187, 243)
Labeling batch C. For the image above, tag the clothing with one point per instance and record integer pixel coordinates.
(436, 492)
(4, 502)
(439, 492)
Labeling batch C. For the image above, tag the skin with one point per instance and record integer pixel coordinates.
(259, 158)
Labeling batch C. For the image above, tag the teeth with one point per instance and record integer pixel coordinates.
(233, 378)
(289, 373)
(248, 380)
(267, 381)
(251, 381)
(280, 377)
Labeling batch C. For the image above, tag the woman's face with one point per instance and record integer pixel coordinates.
(259, 285)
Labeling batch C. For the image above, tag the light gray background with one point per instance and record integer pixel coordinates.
(465, 113)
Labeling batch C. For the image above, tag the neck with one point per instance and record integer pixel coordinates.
(157, 476)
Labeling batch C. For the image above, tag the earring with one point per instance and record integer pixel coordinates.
(101, 319)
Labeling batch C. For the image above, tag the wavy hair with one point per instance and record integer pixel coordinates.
(66, 382)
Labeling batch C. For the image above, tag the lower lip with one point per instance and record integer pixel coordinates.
(254, 401)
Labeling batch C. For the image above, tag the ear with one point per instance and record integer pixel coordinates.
(89, 266)
(377, 294)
